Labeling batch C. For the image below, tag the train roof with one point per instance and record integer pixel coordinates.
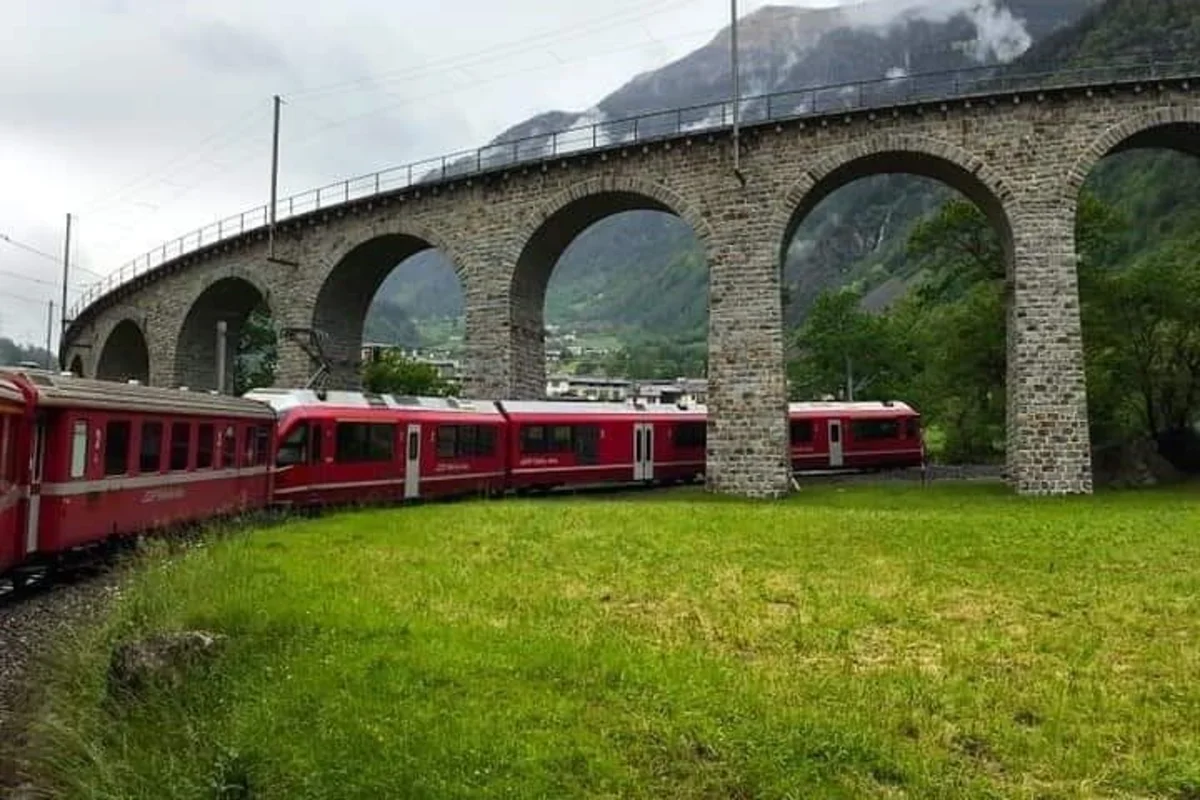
(64, 390)
(861, 409)
(584, 408)
(286, 400)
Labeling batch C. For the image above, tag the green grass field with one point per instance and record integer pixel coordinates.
(887, 641)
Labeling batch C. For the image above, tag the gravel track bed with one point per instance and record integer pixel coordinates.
(934, 473)
(27, 625)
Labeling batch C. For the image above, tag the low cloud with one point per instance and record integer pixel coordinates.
(1000, 35)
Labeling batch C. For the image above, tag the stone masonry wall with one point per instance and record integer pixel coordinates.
(1023, 159)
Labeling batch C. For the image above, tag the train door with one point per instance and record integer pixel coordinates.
(836, 458)
(10, 493)
(412, 469)
(320, 452)
(643, 451)
(37, 462)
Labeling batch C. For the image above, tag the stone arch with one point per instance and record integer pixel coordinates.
(891, 154)
(229, 296)
(1169, 128)
(544, 235)
(930, 158)
(76, 367)
(354, 270)
(124, 354)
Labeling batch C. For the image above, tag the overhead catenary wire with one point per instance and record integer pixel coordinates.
(239, 130)
(634, 13)
(43, 254)
(330, 125)
(444, 92)
(242, 127)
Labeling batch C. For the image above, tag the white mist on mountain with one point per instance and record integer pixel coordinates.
(1000, 35)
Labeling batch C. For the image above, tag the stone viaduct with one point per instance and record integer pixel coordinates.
(1022, 156)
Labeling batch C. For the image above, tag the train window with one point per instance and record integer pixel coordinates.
(361, 442)
(248, 446)
(468, 439)
(150, 457)
(868, 429)
(691, 434)
(532, 439)
(229, 448)
(294, 449)
(447, 441)
(262, 443)
(79, 449)
(802, 431)
(204, 446)
(314, 444)
(913, 432)
(486, 445)
(116, 447)
(561, 439)
(465, 441)
(587, 443)
(181, 443)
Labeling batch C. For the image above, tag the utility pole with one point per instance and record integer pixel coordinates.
(66, 272)
(49, 335)
(274, 182)
(849, 379)
(737, 91)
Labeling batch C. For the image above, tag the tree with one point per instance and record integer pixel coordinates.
(392, 373)
(257, 352)
(957, 248)
(841, 343)
(1153, 342)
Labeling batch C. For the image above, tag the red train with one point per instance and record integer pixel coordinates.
(358, 447)
(855, 436)
(84, 461)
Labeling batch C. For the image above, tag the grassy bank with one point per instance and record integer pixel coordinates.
(880, 642)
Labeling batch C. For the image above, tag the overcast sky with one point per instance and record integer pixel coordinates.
(149, 118)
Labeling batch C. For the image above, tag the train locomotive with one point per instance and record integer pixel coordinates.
(84, 462)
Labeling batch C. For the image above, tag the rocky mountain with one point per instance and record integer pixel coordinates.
(613, 276)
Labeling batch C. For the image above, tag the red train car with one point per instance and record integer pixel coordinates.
(14, 416)
(99, 459)
(828, 436)
(567, 443)
(358, 447)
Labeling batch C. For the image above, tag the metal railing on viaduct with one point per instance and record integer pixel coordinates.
(715, 117)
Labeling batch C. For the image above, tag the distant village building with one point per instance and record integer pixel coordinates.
(588, 387)
(448, 368)
(681, 391)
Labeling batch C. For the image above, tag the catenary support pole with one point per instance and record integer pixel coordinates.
(66, 273)
(737, 92)
(274, 182)
(222, 330)
(49, 337)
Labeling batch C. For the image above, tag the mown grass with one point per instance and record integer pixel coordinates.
(889, 641)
